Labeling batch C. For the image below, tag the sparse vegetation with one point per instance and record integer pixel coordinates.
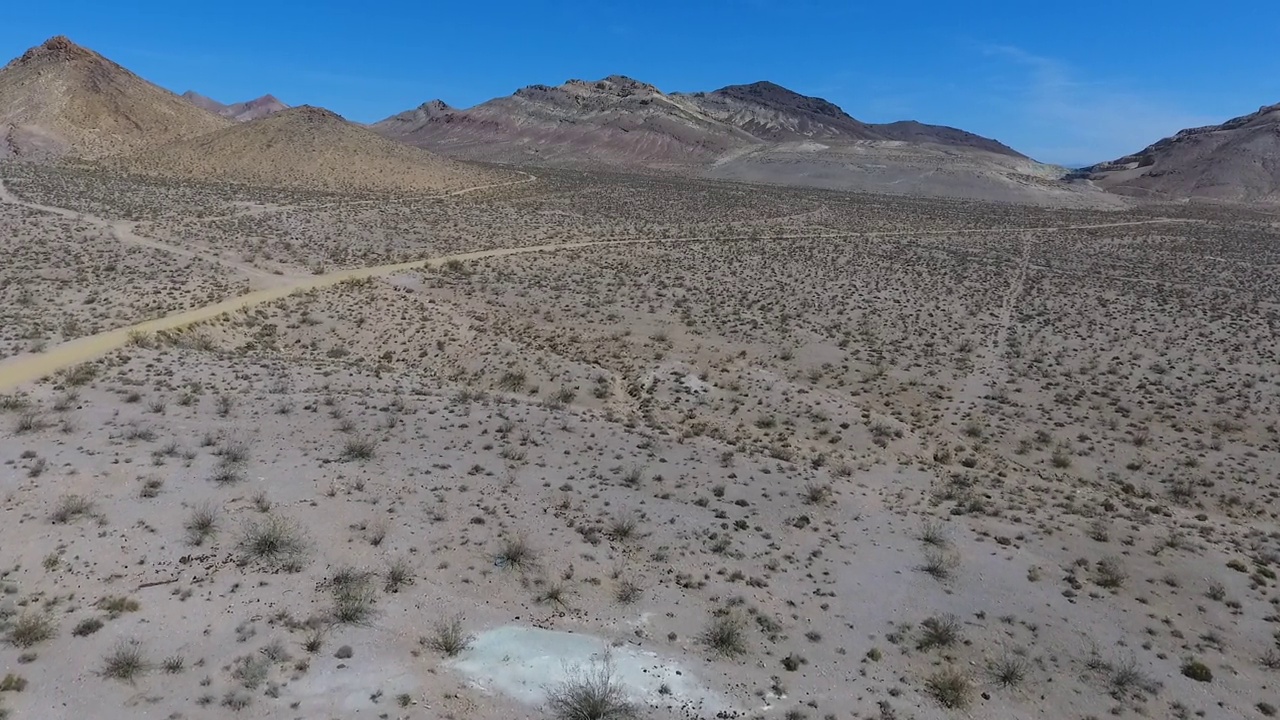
(448, 636)
(70, 508)
(591, 693)
(32, 628)
(125, 662)
(202, 524)
(951, 687)
(726, 634)
(272, 539)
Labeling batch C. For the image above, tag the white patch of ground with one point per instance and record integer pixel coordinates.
(525, 663)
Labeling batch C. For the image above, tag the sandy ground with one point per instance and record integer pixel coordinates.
(19, 370)
(830, 457)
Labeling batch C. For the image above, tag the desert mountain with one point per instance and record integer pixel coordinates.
(1238, 160)
(760, 132)
(309, 148)
(240, 112)
(616, 122)
(62, 99)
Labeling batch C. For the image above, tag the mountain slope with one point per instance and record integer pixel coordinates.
(309, 148)
(240, 112)
(616, 121)
(771, 112)
(760, 132)
(62, 99)
(1238, 160)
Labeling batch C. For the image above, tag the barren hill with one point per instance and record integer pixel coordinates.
(310, 148)
(1238, 160)
(771, 112)
(241, 111)
(616, 122)
(62, 99)
(760, 132)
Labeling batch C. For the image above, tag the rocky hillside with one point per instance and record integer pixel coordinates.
(62, 99)
(760, 132)
(310, 148)
(627, 121)
(616, 121)
(1238, 160)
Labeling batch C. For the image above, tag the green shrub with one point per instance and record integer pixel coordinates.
(1197, 670)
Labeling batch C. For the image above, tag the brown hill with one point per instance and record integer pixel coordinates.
(241, 111)
(1238, 160)
(310, 148)
(62, 99)
(760, 132)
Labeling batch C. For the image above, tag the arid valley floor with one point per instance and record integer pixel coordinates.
(776, 453)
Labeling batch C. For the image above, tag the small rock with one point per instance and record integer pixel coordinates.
(344, 652)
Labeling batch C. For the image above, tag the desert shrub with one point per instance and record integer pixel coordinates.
(1108, 573)
(952, 688)
(202, 524)
(125, 662)
(939, 631)
(359, 448)
(251, 671)
(817, 493)
(226, 475)
(628, 591)
(726, 634)
(32, 628)
(314, 640)
(632, 477)
(13, 683)
(117, 605)
(29, 422)
(1125, 679)
(933, 534)
(353, 603)
(70, 508)
(516, 553)
(234, 450)
(1197, 670)
(555, 593)
(940, 563)
(448, 636)
(81, 374)
(272, 539)
(399, 573)
(1008, 670)
(591, 693)
(623, 527)
(87, 626)
(512, 381)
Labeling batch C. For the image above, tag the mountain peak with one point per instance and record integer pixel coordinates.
(241, 112)
(63, 99)
(309, 115)
(435, 107)
(775, 96)
(56, 48)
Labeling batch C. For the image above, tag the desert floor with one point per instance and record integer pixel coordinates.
(755, 452)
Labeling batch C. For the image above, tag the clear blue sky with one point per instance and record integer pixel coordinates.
(1068, 82)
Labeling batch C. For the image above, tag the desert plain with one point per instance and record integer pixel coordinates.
(725, 451)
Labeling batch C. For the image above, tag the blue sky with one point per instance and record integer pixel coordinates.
(1067, 82)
